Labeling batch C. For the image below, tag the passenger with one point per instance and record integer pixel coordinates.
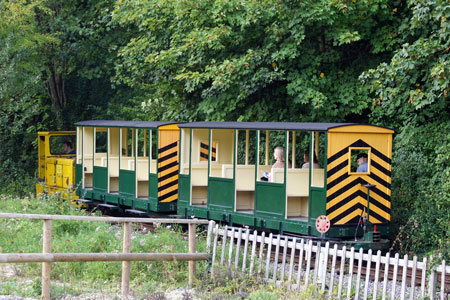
(278, 154)
(306, 159)
(363, 165)
(68, 148)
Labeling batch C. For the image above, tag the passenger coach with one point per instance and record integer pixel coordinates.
(130, 165)
(224, 167)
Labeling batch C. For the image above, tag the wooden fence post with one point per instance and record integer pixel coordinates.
(46, 267)
(191, 250)
(126, 264)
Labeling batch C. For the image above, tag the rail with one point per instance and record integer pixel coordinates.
(47, 257)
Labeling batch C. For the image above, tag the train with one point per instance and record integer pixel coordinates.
(321, 180)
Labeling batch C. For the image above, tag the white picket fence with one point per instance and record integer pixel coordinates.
(305, 262)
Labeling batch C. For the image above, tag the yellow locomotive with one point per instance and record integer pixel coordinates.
(56, 163)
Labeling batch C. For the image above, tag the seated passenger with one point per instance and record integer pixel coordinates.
(363, 165)
(68, 148)
(278, 155)
(306, 159)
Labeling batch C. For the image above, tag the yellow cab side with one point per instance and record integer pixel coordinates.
(56, 169)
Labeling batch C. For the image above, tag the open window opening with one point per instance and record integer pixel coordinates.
(359, 160)
(185, 150)
(245, 170)
(277, 152)
(199, 168)
(222, 150)
(100, 159)
(297, 177)
(142, 162)
(88, 149)
(113, 160)
(318, 149)
(128, 149)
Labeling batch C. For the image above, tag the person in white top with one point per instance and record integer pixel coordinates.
(306, 159)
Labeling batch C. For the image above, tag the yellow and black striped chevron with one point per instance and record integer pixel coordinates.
(204, 151)
(346, 196)
(168, 173)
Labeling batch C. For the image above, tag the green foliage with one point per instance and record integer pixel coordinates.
(411, 94)
(21, 88)
(229, 60)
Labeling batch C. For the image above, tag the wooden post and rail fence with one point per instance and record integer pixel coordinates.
(47, 257)
(344, 273)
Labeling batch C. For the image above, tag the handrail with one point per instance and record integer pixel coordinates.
(46, 257)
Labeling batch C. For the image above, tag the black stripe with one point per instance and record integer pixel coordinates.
(168, 166)
(167, 147)
(353, 196)
(344, 188)
(168, 185)
(345, 201)
(337, 181)
(163, 197)
(337, 155)
(380, 181)
(203, 155)
(170, 155)
(213, 150)
(337, 168)
(381, 155)
(204, 146)
(381, 194)
(355, 220)
(380, 168)
(167, 176)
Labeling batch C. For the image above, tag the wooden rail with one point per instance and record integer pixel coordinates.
(46, 257)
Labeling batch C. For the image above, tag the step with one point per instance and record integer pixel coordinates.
(108, 206)
(86, 201)
(135, 211)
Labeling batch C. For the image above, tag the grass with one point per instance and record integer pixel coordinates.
(25, 236)
(149, 280)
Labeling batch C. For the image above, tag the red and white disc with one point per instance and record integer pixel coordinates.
(322, 224)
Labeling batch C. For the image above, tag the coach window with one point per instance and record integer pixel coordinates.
(185, 150)
(127, 149)
(100, 141)
(153, 149)
(78, 145)
(317, 149)
(273, 155)
(222, 149)
(359, 160)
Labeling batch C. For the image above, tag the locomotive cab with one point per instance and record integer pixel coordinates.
(56, 169)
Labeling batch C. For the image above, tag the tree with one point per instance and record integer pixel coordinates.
(410, 93)
(228, 60)
(21, 92)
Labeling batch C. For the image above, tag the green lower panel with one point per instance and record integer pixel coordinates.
(221, 193)
(141, 204)
(184, 190)
(78, 177)
(270, 200)
(113, 199)
(127, 186)
(100, 179)
(317, 206)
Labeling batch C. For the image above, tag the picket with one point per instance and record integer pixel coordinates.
(315, 265)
